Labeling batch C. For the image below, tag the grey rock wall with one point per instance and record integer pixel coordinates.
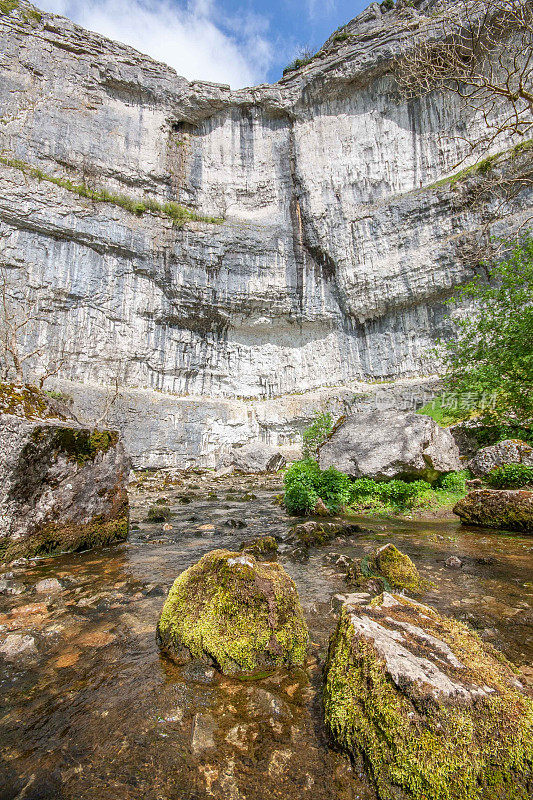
(336, 253)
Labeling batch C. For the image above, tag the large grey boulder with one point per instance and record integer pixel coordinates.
(63, 485)
(253, 457)
(510, 451)
(390, 444)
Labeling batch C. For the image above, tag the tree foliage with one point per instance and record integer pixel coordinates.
(492, 356)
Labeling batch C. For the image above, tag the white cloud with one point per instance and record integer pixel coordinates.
(188, 37)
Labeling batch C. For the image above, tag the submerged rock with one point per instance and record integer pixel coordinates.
(390, 444)
(510, 451)
(435, 712)
(243, 615)
(386, 568)
(260, 546)
(18, 646)
(64, 485)
(510, 509)
(314, 534)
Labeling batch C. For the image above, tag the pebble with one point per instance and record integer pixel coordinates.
(18, 645)
(453, 562)
(48, 586)
(203, 730)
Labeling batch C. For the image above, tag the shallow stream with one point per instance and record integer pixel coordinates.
(98, 714)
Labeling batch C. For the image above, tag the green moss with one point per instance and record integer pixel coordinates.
(261, 545)
(52, 539)
(430, 750)
(396, 568)
(158, 513)
(173, 211)
(79, 445)
(243, 614)
(7, 6)
(26, 401)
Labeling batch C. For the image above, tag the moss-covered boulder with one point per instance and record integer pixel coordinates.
(435, 713)
(64, 486)
(395, 568)
(510, 509)
(243, 615)
(260, 546)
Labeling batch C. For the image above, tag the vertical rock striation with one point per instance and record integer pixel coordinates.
(336, 251)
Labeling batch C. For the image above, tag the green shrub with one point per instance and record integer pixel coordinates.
(316, 434)
(305, 483)
(300, 497)
(453, 481)
(362, 488)
(334, 488)
(400, 493)
(510, 476)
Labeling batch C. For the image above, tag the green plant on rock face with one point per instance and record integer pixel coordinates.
(316, 434)
(510, 476)
(7, 6)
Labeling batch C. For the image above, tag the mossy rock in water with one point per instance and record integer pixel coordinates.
(260, 546)
(435, 713)
(397, 570)
(158, 513)
(243, 615)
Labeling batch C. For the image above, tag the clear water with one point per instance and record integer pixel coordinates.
(99, 714)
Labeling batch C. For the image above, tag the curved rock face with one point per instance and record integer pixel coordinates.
(435, 712)
(336, 252)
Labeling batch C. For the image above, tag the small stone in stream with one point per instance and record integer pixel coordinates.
(260, 546)
(203, 730)
(167, 526)
(199, 672)
(11, 587)
(19, 562)
(453, 562)
(235, 523)
(48, 586)
(176, 715)
(395, 568)
(17, 645)
(158, 514)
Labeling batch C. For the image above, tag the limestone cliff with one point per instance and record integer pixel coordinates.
(333, 258)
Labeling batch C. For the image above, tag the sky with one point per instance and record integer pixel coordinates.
(240, 42)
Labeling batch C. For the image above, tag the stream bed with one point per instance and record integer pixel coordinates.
(92, 711)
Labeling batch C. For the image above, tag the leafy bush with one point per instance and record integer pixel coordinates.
(305, 483)
(400, 493)
(316, 434)
(334, 488)
(510, 476)
(300, 497)
(453, 481)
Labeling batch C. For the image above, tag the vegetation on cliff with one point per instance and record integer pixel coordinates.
(179, 214)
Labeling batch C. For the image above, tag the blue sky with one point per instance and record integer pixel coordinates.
(240, 42)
